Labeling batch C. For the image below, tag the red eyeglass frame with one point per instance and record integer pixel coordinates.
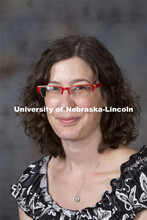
(94, 86)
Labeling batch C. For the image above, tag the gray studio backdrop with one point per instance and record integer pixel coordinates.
(26, 27)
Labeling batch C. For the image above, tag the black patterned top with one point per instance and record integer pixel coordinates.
(127, 197)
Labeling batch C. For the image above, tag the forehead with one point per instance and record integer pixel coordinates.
(71, 69)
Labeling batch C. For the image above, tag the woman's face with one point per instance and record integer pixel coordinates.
(73, 125)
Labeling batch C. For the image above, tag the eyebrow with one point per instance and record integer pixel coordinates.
(72, 81)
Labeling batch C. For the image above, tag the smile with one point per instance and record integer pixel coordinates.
(69, 121)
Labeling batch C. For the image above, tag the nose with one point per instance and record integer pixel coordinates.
(66, 100)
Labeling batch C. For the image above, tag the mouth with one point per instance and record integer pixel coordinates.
(69, 121)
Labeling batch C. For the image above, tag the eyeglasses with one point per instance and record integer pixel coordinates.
(77, 90)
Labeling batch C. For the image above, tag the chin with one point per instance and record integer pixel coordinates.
(68, 135)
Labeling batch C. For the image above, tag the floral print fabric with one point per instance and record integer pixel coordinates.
(127, 197)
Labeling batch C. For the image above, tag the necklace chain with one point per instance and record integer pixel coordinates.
(77, 196)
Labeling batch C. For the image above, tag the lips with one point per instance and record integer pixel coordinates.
(69, 120)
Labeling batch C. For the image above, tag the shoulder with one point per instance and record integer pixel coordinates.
(28, 186)
(124, 152)
(132, 162)
(131, 190)
(127, 156)
(33, 171)
(116, 157)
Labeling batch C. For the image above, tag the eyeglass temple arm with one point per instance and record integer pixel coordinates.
(38, 88)
(98, 85)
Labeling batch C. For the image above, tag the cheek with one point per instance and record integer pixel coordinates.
(92, 118)
(50, 103)
(90, 102)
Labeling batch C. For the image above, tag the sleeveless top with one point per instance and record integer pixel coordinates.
(128, 195)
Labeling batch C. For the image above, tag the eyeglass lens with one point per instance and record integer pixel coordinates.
(53, 91)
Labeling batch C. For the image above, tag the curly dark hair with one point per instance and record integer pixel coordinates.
(116, 127)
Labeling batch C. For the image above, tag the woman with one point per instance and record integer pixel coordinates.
(80, 178)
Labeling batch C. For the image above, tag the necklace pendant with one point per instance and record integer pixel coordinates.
(77, 198)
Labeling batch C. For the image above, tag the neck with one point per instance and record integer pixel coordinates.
(82, 155)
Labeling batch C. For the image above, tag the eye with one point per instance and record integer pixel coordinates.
(77, 88)
(81, 88)
(52, 88)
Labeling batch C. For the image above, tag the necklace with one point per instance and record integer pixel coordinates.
(77, 197)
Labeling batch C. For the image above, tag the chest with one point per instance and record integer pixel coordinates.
(63, 189)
